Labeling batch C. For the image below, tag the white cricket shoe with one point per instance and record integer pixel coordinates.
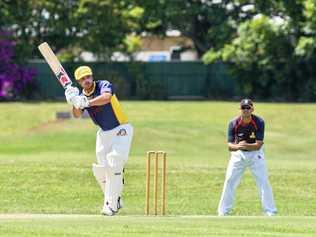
(108, 211)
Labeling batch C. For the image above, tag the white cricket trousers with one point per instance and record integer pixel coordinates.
(112, 150)
(237, 165)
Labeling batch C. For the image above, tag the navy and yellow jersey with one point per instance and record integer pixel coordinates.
(249, 132)
(106, 116)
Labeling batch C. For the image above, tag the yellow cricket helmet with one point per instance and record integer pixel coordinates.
(82, 71)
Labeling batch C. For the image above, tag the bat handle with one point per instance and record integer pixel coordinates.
(67, 85)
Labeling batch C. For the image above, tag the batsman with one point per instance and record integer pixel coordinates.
(113, 139)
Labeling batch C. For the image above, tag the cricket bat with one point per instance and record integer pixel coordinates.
(55, 65)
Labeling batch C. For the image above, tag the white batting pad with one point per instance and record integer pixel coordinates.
(99, 174)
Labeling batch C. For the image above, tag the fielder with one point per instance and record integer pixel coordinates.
(114, 136)
(245, 142)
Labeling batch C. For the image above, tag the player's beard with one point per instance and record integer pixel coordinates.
(87, 84)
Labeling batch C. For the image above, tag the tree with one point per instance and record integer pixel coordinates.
(69, 26)
(272, 54)
(32, 22)
(106, 30)
(208, 23)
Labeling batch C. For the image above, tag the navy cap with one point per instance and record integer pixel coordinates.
(246, 101)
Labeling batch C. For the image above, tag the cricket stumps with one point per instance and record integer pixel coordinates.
(157, 157)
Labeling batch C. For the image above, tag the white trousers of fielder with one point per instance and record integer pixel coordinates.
(237, 165)
(112, 150)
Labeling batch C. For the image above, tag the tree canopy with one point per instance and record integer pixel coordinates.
(273, 52)
(98, 26)
(267, 43)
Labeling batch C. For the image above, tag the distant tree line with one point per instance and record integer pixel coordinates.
(268, 45)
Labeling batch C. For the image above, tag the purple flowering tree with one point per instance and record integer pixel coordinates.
(16, 81)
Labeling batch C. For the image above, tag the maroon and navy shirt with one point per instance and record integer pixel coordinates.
(106, 116)
(249, 132)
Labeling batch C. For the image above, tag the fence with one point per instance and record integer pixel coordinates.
(159, 80)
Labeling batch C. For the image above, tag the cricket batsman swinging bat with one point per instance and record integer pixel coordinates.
(55, 65)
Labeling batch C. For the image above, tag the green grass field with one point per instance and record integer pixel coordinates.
(91, 226)
(45, 168)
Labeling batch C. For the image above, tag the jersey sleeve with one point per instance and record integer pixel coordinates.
(231, 133)
(260, 131)
(106, 86)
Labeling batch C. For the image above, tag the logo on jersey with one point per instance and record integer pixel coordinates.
(122, 132)
(252, 136)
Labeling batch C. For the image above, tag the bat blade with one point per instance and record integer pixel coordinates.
(55, 64)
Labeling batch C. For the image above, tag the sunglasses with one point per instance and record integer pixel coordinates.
(245, 107)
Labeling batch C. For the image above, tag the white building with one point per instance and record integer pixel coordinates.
(173, 47)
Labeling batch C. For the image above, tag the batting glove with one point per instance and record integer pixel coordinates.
(70, 93)
(80, 102)
(84, 102)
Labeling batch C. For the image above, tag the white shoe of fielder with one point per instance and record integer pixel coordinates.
(268, 213)
(222, 214)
